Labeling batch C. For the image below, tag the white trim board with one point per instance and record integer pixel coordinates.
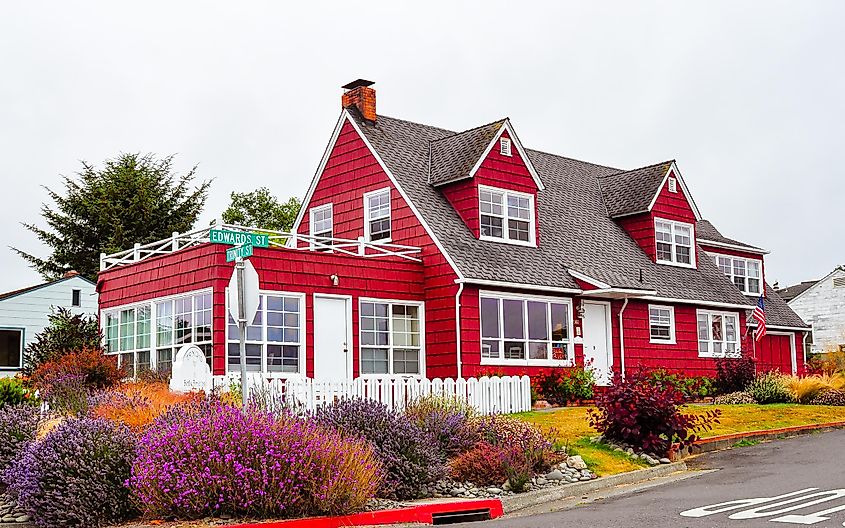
(515, 142)
(715, 244)
(673, 168)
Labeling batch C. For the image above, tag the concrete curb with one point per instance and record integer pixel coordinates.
(716, 443)
(518, 502)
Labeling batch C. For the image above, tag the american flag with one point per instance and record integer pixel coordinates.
(760, 316)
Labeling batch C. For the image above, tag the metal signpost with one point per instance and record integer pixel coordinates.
(243, 287)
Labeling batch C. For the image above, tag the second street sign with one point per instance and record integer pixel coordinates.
(237, 252)
(237, 238)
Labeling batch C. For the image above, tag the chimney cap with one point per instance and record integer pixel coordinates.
(357, 83)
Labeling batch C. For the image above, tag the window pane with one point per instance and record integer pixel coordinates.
(491, 226)
(664, 251)
(143, 339)
(282, 358)
(253, 357)
(518, 230)
(560, 351)
(753, 285)
(164, 359)
(682, 235)
(739, 282)
(112, 332)
(560, 322)
(406, 361)
(683, 255)
(374, 361)
(164, 323)
(380, 229)
(754, 269)
(490, 349)
(739, 267)
(716, 327)
(514, 319)
(703, 327)
(10, 348)
(489, 317)
(127, 329)
(725, 265)
(514, 350)
(538, 351)
(538, 321)
(518, 207)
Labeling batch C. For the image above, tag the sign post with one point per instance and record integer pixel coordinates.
(239, 272)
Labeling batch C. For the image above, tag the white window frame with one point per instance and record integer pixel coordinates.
(303, 337)
(76, 292)
(527, 362)
(711, 353)
(321, 245)
(731, 276)
(390, 346)
(22, 332)
(153, 339)
(505, 147)
(671, 339)
(672, 184)
(674, 261)
(532, 223)
(368, 218)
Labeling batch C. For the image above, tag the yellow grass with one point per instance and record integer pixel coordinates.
(569, 426)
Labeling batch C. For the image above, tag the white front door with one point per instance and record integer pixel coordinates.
(598, 354)
(332, 338)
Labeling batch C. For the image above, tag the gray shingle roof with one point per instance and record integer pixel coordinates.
(778, 313)
(704, 230)
(575, 231)
(791, 292)
(453, 157)
(631, 192)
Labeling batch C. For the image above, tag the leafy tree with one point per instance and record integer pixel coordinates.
(132, 198)
(65, 333)
(261, 209)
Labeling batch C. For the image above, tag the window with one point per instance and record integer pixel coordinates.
(744, 273)
(661, 324)
(674, 243)
(11, 348)
(321, 226)
(506, 215)
(525, 331)
(76, 298)
(377, 216)
(274, 338)
(673, 185)
(391, 338)
(718, 334)
(505, 147)
(146, 336)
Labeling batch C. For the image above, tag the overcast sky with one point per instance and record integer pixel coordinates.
(749, 97)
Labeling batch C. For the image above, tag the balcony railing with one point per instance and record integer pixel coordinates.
(278, 239)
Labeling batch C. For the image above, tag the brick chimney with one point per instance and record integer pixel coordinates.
(71, 273)
(359, 94)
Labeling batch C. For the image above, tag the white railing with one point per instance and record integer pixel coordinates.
(278, 239)
(488, 395)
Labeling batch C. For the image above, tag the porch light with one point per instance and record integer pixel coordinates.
(335, 280)
(580, 311)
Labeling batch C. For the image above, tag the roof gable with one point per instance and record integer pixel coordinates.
(30, 289)
(636, 191)
(459, 156)
(708, 235)
(836, 271)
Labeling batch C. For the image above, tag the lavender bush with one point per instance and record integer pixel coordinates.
(212, 458)
(18, 424)
(409, 455)
(75, 475)
(448, 421)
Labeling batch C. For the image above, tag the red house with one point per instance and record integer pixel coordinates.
(426, 252)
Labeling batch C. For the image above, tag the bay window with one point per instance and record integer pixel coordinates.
(718, 334)
(506, 215)
(274, 338)
(146, 336)
(674, 242)
(745, 273)
(525, 330)
(661, 324)
(391, 338)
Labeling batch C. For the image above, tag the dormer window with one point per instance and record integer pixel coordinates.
(377, 216)
(745, 273)
(505, 147)
(506, 216)
(674, 243)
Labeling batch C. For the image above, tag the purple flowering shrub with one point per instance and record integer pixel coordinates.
(518, 437)
(448, 420)
(409, 455)
(210, 458)
(18, 424)
(75, 475)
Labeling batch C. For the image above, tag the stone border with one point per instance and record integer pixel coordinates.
(520, 501)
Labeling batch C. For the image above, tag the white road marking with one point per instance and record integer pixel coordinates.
(763, 507)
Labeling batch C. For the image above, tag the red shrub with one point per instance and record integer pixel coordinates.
(97, 370)
(647, 415)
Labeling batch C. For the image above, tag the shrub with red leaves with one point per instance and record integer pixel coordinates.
(647, 415)
(491, 465)
(734, 374)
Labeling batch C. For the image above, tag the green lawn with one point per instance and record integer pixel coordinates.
(569, 427)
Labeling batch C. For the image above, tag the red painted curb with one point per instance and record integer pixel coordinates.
(422, 513)
(782, 430)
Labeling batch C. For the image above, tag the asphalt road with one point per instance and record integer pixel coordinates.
(793, 482)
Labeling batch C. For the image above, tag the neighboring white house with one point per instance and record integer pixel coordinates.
(23, 314)
(822, 304)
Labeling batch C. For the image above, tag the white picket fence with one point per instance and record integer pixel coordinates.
(488, 395)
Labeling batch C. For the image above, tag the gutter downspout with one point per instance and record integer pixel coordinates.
(804, 349)
(622, 338)
(458, 326)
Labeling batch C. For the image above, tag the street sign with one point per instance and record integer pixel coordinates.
(237, 238)
(250, 293)
(239, 252)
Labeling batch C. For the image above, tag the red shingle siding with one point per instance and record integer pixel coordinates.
(352, 170)
(463, 196)
(673, 206)
(641, 228)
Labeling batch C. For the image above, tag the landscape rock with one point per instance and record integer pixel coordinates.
(554, 475)
(576, 462)
(665, 460)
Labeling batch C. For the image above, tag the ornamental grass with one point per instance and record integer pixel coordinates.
(138, 404)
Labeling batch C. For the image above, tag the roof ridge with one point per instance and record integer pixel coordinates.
(561, 156)
(639, 168)
(452, 132)
(469, 130)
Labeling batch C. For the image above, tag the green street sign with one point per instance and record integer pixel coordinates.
(237, 238)
(237, 252)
